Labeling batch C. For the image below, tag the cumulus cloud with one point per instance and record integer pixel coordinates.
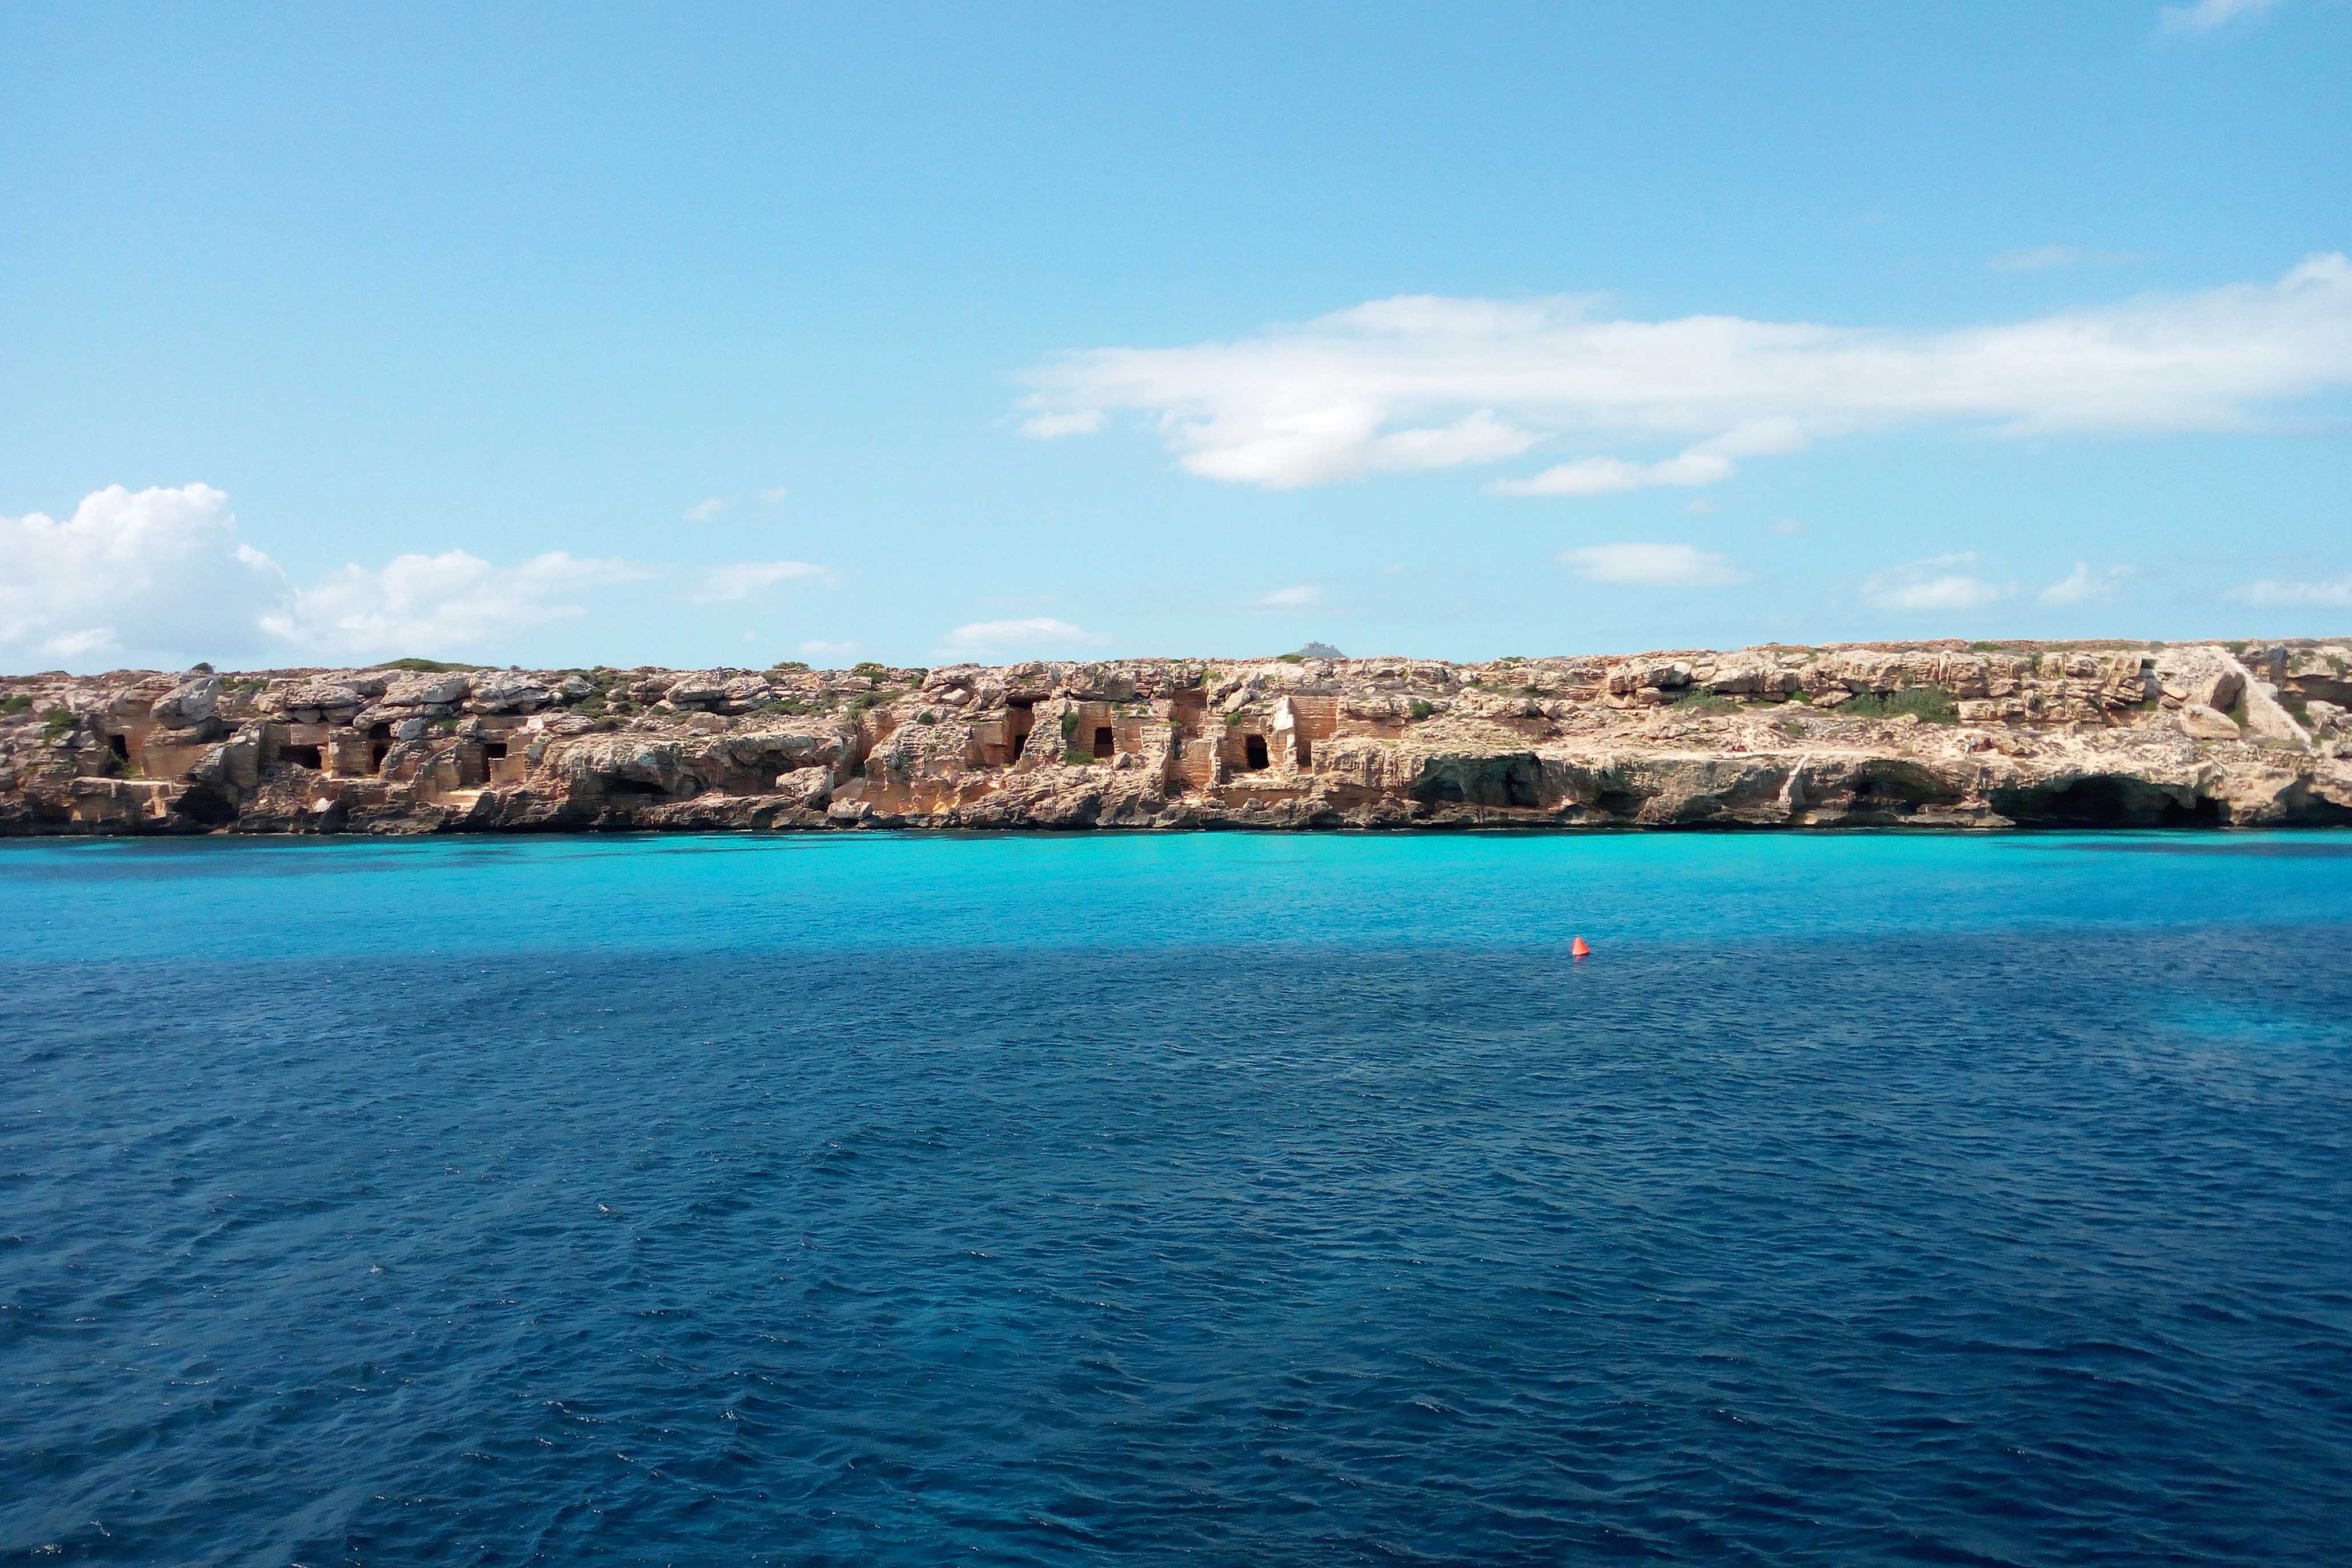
(1289, 598)
(2274, 592)
(1932, 584)
(455, 600)
(1651, 565)
(161, 577)
(2082, 583)
(749, 578)
(2210, 16)
(1032, 632)
(1422, 382)
(705, 509)
(156, 573)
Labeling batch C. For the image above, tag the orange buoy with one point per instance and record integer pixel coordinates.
(1577, 949)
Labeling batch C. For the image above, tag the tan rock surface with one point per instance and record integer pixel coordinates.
(2125, 735)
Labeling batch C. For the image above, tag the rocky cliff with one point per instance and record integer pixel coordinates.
(1946, 734)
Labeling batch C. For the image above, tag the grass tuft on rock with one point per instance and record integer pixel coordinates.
(1930, 704)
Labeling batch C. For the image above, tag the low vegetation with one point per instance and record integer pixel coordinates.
(1930, 704)
(1701, 700)
(426, 666)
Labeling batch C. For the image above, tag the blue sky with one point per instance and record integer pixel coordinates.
(567, 334)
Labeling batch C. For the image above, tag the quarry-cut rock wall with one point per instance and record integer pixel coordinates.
(1945, 734)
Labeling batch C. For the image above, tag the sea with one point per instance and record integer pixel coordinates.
(1211, 1199)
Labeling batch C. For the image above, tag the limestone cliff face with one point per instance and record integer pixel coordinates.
(2125, 735)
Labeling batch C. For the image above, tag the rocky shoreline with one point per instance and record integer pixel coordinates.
(1880, 735)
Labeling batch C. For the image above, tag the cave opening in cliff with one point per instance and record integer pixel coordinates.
(2105, 800)
(377, 751)
(1104, 743)
(1306, 751)
(493, 750)
(380, 731)
(308, 756)
(119, 744)
(1254, 754)
(1020, 716)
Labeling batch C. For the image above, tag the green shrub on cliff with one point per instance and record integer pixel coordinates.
(426, 666)
(1931, 704)
(1421, 708)
(16, 703)
(1699, 700)
(55, 723)
(1077, 758)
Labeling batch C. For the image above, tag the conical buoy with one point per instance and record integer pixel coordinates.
(1577, 949)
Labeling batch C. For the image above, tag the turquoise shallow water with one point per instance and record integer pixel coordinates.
(1863, 1199)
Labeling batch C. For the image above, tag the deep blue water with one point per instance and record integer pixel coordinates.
(1226, 1198)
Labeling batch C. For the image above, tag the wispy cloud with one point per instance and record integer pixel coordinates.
(1422, 382)
(1052, 426)
(1289, 598)
(748, 579)
(702, 511)
(2210, 16)
(818, 648)
(1651, 565)
(2082, 583)
(1033, 632)
(453, 600)
(1933, 584)
(2041, 257)
(2275, 592)
(773, 493)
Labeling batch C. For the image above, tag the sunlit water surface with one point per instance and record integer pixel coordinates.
(1222, 1198)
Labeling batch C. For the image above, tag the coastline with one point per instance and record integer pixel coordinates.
(1921, 736)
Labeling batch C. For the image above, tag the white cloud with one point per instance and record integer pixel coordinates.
(1788, 526)
(1651, 565)
(2275, 593)
(156, 573)
(2082, 583)
(748, 579)
(705, 509)
(2041, 257)
(1034, 631)
(772, 494)
(1053, 426)
(1930, 585)
(1423, 382)
(453, 601)
(2210, 16)
(818, 648)
(159, 577)
(1704, 463)
(1289, 598)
